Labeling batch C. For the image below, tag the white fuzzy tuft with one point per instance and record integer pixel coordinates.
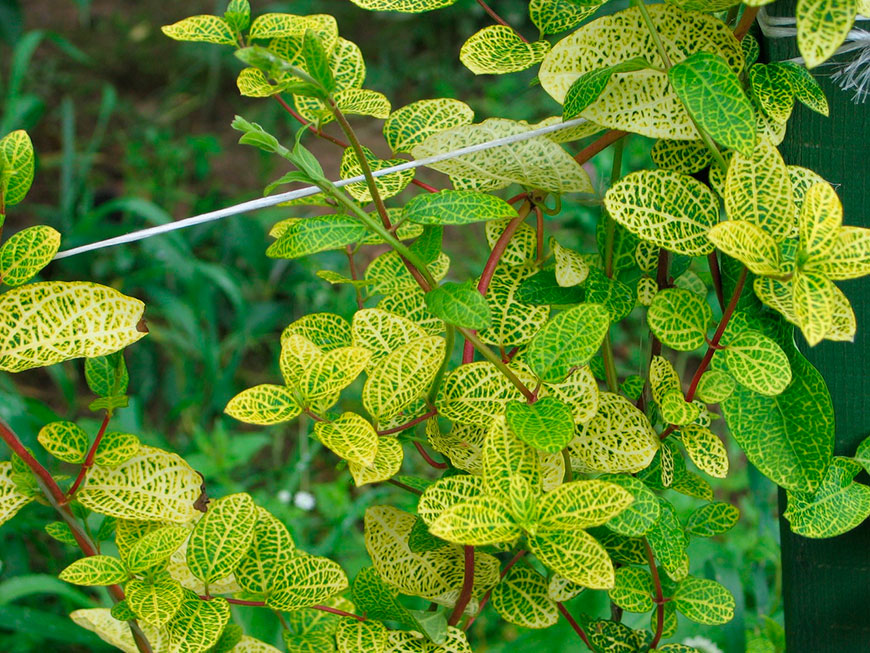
(854, 74)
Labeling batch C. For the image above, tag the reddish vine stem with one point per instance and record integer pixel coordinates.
(713, 346)
(492, 263)
(485, 598)
(58, 500)
(262, 604)
(660, 599)
(745, 23)
(407, 425)
(337, 141)
(434, 463)
(89, 459)
(467, 587)
(354, 275)
(403, 486)
(500, 20)
(577, 628)
(539, 227)
(599, 145)
(716, 274)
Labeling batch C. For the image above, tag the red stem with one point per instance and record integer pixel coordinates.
(401, 485)
(539, 226)
(262, 604)
(413, 422)
(89, 459)
(598, 145)
(434, 463)
(574, 624)
(35, 466)
(499, 19)
(467, 587)
(660, 599)
(492, 263)
(745, 23)
(354, 275)
(485, 598)
(337, 141)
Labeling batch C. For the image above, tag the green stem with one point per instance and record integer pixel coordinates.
(496, 360)
(450, 337)
(569, 471)
(609, 364)
(609, 239)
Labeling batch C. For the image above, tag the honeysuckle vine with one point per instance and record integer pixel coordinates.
(554, 462)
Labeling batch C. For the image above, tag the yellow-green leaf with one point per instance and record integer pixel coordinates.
(547, 424)
(575, 555)
(498, 49)
(16, 167)
(506, 456)
(582, 504)
(849, 258)
(404, 6)
(557, 16)
(388, 185)
(666, 208)
(387, 462)
(116, 448)
(154, 602)
(271, 546)
(749, 244)
(196, 625)
(354, 636)
(209, 29)
(478, 521)
(350, 437)
(705, 449)
(757, 362)
(633, 590)
(513, 322)
(819, 223)
(447, 492)
(521, 598)
(153, 485)
(715, 386)
(403, 376)
(65, 441)
(306, 580)
(282, 26)
(327, 331)
(704, 601)
(154, 547)
(679, 318)
(95, 570)
(686, 157)
(568, 341)
(822, 26)
(414, 123)
(46, 323)
(837, 506)
(264, 405)
(26, 253)
(475, 393)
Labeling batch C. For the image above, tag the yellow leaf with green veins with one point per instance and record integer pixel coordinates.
(633, 590)
(668, 540)
(685, 157)
(757, 362)
(327, 331)
(354, 636)
(820, 221)
(447, 492)
(154, 547)
(475, 393)
(679, 318)
(557, 16)
(197, 625)
(642, 102)
(568, 341)
(251, 82)
(513, 322)
(403, 376)
(363, 102)
(575, 555)
(618, 439)
(350, 437)
(641, 514)
(478, 521)
(561, 589)
(536, 162)
(382, 332)
(271, 546)
(153, 485)
(806, 88)
(95, 570)
(521, 248)
(456, 207)
(222, 537)
(813, 298)
(581, 504)
(387, 462)
(462, 444)
(521, 598)
(666, 208)
(264, 405)
(317, 234)
(505, 456)
(715, 386)
(179, 570)
(251, 645)
(65, 441)
(411, 304)
(663, 378)
(16, 167)
(705, 449)
(209, 29)
(767, 129)
(758, 190)
(497, 49)
(676, 410)
(414, 123)
(26, 253)
(116, 448)
(712, 94)
(712, 519)
(154, 602)
(704, 601)
(837, 506)
(843, 324)
(571, 268)
(388, 185)
(333, 371)
(401, 641)
(749, 244)
(579, 391)
(46, 323)
(802, 179)
(277, 26)
(772, 90)
(404, 6)
(305, 580)
(822, 26)
(849, 258)
(115, 632)
(388, 274)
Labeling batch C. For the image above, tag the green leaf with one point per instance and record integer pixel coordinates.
(822, 26)
(837, 506)
(350, 437)
(772, 89)
(209, 29)
(714, 97)
(705, 449)
(154, 602)
(806, 88)
(221, 537)
(116, 448)
(633, 591)
(712, 519)
(686, 157)
(547, 424)
(668, 540)
(196, 625)
(589, 86)
(616, 296)
(16, 167)
(521, 598)
(317, 234)
(65, 441)
(575, 555)
(264, 405)
(238, 14)
(581, 504)
(567, 341)
(107, 376)
(154, 547)
(679, 318)
(271, 546)
(498, 49)
(26, 253)
(61, 532)
(758, 363)
(704, 601)
(862, 454)
(556, 16)
(316, 60)
(542, 289)
(666, 208)
(460, 304)
(353, 636)
(306, 580)
(95, 570)
(456, 207)
(640, 515)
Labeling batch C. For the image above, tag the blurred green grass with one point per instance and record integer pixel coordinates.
(132, 129)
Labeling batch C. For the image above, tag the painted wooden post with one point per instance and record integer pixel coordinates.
(826, 583)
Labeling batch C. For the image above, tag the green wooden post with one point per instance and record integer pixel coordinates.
(826, 583)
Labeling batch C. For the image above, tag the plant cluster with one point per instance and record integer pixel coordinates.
(558, 468)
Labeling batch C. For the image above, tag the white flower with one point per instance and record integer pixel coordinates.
(305, 501)
(284, 496)
(702, 644)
